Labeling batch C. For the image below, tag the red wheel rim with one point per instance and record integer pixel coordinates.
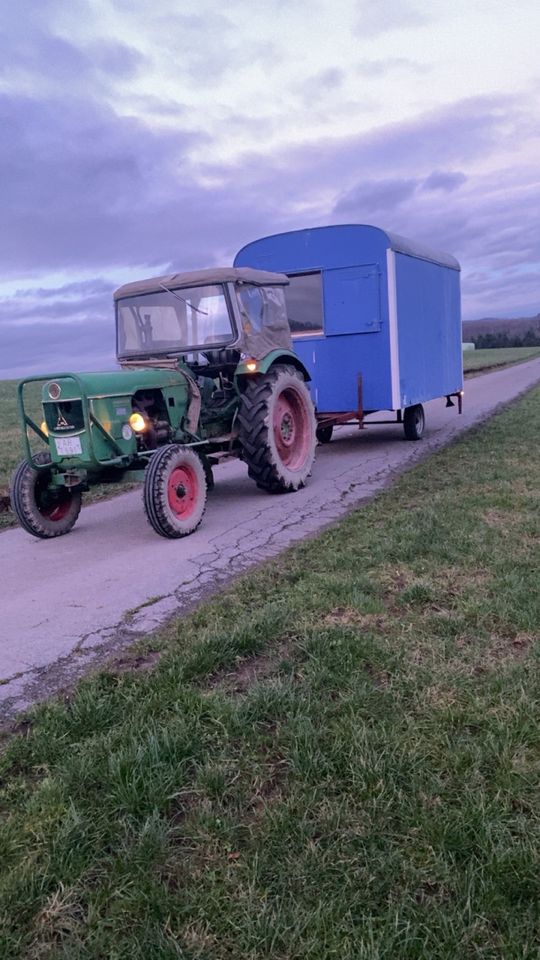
(56, 511)
(52, 507)
(292, 431)
(182, 491)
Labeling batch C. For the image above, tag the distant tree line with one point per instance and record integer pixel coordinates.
(499, 332)
(487, 341)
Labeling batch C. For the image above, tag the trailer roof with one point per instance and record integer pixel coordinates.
(413, 249)
(344, 233)
(197, 278)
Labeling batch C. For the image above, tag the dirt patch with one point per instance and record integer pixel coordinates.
(500, 520)
(445, 582)
(439, 697)
(498, 649)
(432, 891)
(251, 669)
(514, 647)
(349, 617)
(144, 661)
(381, 678)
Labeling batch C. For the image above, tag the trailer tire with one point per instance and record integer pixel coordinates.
(324, 433)
(39, 512)
(278, 429)
(174, 491)
(414, 421)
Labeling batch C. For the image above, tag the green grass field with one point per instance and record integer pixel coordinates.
(10, 435)
(337, 757)
(476, 360)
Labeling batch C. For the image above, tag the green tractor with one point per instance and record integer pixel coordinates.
(207, 373)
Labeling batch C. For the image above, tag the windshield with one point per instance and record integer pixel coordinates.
(173, 321)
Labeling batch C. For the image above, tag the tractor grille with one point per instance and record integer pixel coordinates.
(64, 417)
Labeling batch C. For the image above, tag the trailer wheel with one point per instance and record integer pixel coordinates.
(174, 491)
(42, 512)
(414, 421)
(324, 433)
(278, 430)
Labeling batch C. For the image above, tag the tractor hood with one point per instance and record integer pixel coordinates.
(122, 383)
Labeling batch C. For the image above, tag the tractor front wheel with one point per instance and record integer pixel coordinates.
(174, 491)
(277, 429)
(42, 511)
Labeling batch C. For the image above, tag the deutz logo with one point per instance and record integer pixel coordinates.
(62, 424)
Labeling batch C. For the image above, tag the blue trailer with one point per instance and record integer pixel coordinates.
(374, 317)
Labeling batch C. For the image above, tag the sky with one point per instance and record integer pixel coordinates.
(142, 137)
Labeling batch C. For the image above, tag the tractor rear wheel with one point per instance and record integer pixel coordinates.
(414, 421)
(42, 512)
(174, 491)
(277, 429)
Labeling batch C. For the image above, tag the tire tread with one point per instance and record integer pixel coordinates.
(254, 432)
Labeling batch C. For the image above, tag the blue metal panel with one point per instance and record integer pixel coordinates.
(429, 330)
(362, 329)
(335, 359)
(351, 300)
(334, 364)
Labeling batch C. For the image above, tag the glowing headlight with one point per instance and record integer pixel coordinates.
(44, 428)
(251, 365)
(137, 422)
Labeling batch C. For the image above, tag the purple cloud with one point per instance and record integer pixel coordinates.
(444, 180)
(320, 83)
(39, 348)
(378, 68)
(77, 289)
(374, 196)
(375, 19)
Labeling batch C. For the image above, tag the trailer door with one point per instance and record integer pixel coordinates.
(351, 300)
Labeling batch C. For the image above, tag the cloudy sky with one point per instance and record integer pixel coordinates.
(142, 136)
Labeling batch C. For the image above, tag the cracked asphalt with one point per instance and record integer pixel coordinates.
(69, 604)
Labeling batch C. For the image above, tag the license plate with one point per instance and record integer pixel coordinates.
(68, 446)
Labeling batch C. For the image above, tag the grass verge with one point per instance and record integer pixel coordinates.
(338, 757)
(475, 361)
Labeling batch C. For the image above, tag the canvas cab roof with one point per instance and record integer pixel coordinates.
(198, 278)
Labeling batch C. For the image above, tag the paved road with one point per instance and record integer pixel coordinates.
(65, 604)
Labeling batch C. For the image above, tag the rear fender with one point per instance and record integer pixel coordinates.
(252, 368)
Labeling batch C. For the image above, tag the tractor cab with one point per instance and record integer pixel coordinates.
(208, 319)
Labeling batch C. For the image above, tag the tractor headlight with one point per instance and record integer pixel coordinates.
(137, 422)
(44, 428)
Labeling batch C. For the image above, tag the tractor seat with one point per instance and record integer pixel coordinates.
(223, 357)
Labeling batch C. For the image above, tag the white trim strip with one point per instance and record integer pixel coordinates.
(393, 328)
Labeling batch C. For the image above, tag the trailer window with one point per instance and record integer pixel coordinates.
(303, 296)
